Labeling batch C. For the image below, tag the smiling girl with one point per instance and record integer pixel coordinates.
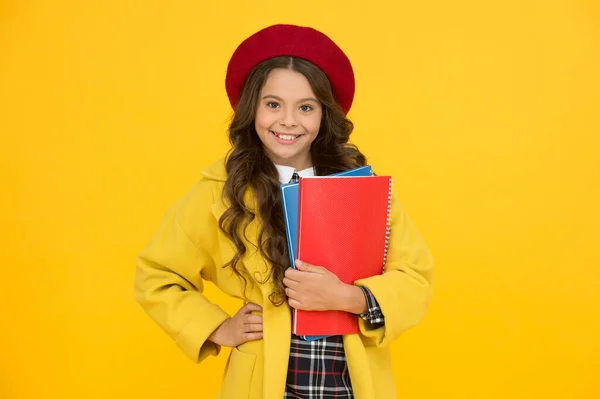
(290, 88)
(288, 118)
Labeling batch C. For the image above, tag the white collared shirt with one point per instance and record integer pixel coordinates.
(286, 172)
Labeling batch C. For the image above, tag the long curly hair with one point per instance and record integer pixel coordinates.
(249, 168)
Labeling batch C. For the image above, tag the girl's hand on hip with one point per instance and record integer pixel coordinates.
(310, 287)
(242, 327)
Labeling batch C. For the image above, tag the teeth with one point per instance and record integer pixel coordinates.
(286, 136)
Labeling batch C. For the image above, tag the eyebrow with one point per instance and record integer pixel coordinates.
(302, 100)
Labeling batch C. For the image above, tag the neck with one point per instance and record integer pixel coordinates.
(298, 165)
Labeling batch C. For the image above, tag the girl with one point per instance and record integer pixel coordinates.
(291, 88)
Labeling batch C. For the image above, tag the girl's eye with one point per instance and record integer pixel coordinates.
(306, 108)
(272, 104)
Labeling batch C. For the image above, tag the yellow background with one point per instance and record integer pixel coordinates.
(485, 113)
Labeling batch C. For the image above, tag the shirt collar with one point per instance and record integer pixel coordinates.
(286, 172)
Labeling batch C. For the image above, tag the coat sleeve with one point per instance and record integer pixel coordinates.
(403, 291)
(169, 272)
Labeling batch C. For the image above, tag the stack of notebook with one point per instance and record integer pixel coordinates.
(340, 222)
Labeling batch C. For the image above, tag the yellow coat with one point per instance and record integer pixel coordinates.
(188, 247)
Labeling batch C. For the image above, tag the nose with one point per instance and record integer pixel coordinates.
(288, 118)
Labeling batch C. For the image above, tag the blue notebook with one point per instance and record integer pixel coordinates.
(289, 199)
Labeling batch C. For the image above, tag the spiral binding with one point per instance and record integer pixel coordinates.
(388, 225)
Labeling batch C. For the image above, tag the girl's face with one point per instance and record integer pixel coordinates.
(288, 118)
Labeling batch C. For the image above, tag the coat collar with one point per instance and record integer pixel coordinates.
(216, 171)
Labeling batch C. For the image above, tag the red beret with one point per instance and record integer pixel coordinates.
(296, 41)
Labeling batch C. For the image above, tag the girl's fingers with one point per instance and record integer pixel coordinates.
(290, 283)
(306, 267)
(253, 327)
(294, 304)
(252, 336)
(252, 319)
(251, 307)
(292, 274)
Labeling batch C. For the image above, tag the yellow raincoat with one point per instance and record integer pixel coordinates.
(189, 248)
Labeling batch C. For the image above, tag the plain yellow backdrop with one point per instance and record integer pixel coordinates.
(485, 113)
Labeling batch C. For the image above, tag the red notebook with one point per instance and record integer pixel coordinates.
(343, 225)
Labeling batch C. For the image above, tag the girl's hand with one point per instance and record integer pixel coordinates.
(242, 327)
(316, 288)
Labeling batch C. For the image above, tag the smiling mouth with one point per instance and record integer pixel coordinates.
(286, 137)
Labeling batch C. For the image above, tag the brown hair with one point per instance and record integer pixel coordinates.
(248, 167)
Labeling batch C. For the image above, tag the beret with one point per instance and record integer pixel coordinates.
(296, 41)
